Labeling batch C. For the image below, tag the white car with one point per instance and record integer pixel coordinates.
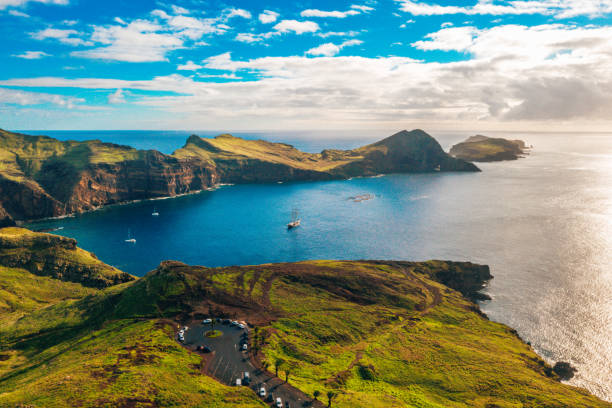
(207, 321)
(279, 403)
(244, 347)
(262, 392)
(234, 323)
(238, 381)
(242, 326)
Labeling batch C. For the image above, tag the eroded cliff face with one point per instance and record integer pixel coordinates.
(57, 257)
(157, 175)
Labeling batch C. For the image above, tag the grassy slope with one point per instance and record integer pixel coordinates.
(23, 155)
(75, 353)
(22, 292)
(228, 147)
(482, 148)
(395, 356)
(380, 335)
(19, 243)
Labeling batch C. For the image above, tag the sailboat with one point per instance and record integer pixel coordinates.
(155, 213)
(130, 239)
(295, 221)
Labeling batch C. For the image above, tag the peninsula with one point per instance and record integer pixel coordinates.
(44, 177)
(360, 333)
(488, 149)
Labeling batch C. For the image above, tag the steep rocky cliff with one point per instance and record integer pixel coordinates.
(56, 257)
(44, 177)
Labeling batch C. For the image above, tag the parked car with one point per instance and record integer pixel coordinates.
(241, 326)
(238, 381)
(234, 323)
(246, 376)
(206, 349)
(262, 392)
(244, 347)
(185, 328)
(279, 403)
(207, 321)
(225, 321)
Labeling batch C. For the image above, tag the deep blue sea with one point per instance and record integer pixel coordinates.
(543, 224)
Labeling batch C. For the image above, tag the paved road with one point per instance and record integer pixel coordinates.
(228, 363)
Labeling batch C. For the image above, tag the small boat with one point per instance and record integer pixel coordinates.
(155, 213)
(130, 239)
(295, 221)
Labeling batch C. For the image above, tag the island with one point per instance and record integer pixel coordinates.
(42, 177)
(345, 333)
(488, 149)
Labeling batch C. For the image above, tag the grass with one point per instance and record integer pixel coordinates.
(213, 333)
(22, 292)
(55, 256)
(376, 334)
(124, 363)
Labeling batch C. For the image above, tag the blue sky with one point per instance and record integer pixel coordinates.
(270, 65)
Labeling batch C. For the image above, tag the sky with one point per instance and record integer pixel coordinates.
(520, 65)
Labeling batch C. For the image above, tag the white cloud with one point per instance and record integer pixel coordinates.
(549, 75)
(338, 34)
(189, 66)
(179, 10)
(69, 37)
(25, 98)
(298, 27)
(119, 20)
(32, 55)
(139, 41)
(236, 12)
(267, 16)
(248, 38)
(446, 24)
(364, 9)
(116, 97)
(18, 3)
(149, 40)
(330, 49)
(334, 14)
(558, 8)
(18, 13)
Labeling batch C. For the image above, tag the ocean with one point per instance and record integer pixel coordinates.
(543, 224)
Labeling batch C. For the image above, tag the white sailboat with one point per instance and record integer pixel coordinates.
(155, 213)
(130, 239)
(295, 220)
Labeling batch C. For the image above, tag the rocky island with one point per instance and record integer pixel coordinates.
(488, 149)
(362, 333)
(44, 177)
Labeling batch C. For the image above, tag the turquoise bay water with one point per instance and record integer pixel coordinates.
(543, 224)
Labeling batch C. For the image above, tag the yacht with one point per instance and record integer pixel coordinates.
(130, 239)
(295, 220)
(155, 213)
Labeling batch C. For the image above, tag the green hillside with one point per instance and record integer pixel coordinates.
(376, 334)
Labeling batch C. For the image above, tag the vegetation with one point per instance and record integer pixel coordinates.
(484, 149)
(55, 256)
(376, 334)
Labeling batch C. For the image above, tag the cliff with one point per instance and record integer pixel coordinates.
(486, 149)
(44, 177)
(56, 257)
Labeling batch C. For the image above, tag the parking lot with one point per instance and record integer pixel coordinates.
(228, 362)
